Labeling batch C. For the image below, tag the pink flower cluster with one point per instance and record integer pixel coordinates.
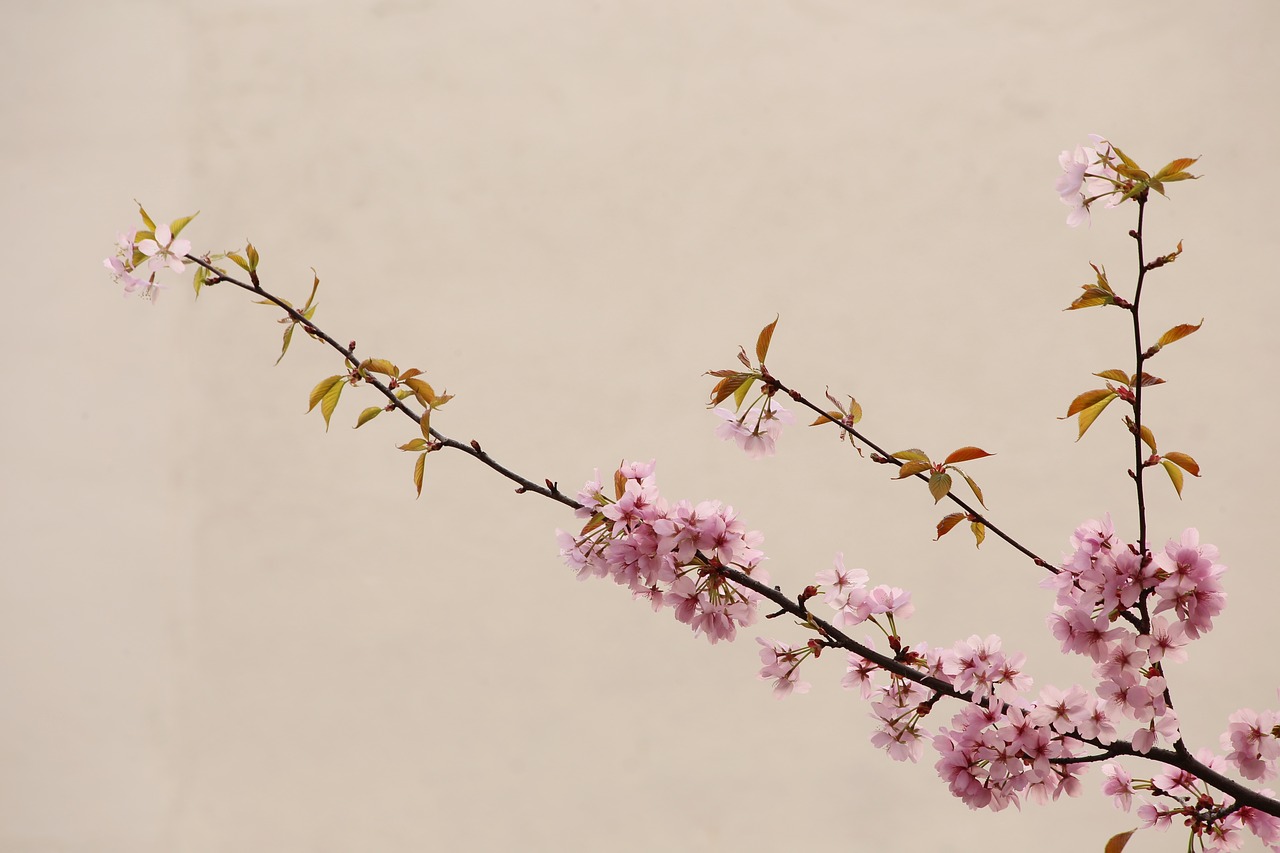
(1109, 602)
(159, 249)
(1087, 175)
(757, 429)
(670, 555)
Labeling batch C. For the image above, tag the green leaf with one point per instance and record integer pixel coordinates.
(977, 493)
(417, 472)
(912, 454)
(948, 522)
(911, 468)
(240, 261)
(829, 417)
(330, 401)
(965, 454)
(425, 423)
(1183, 461)
(315, 285)
(762, 342)
(740, 393)
(201, 276)
(1175, 474)
(412, 445)
(288, 336)
(979, 533)
(939, 485)
(368, 415)
(379, 365)
(177, 225)
(1089, 415)
(322, 388)
(147, 219)
(253, 256)
(1116, 843)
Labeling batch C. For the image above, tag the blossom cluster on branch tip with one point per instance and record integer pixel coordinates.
(670, 555)
(142, 253)
(755, 430)
(1087, 175)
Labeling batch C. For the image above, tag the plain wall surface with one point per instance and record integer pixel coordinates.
(224, 629)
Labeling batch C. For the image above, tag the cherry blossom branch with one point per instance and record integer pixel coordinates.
(549, 490)
(883, 456)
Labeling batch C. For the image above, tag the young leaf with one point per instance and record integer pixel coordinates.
(1183, 461)
(201, 276)
(972, 485)
(315, 285)
(965, 454)
(240, 261)
(947, 522)
(1085, 400)
(910, 469)
(762, 342)
(178, 224)
(939, 485)
(253, 256)
(1089, 415)
(417, 472)
(1146, 380)
(330, 401)
(979, 533)
(147, 219)
(727, 386)
(425, 423)
(422, 390)
(322, 388)
(1114, 375)
(1116, 843)
(379, 365)
(740, 393)
(829, 417)
(1174, 168)
(1148, 437)
(412, 445)
(368, 415)
(912, 454)
(1177, 333)
(288, 336)
(1175, 474)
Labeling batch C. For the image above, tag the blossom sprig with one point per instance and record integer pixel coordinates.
(1099, 171)
(143, 253)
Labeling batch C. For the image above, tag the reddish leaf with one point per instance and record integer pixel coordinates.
(1177, 333)
(1175, 167)
(1085, 400)
(762, 342)
(1114, 375)
(1146, 380)
(1183, 461)
(1116, 843)
(910, 469)
(948, 522)
(965, 454)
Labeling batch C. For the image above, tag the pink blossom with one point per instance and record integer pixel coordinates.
(756, 430)
(859, 674)
(1060, 710)
(165, 250)
(1118, 785)
(839, 579)
(892, 601)
(1253, 744)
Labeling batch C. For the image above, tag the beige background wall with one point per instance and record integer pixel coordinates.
(223, 630)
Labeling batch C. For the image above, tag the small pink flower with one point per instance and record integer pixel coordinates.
(165, 250)
(1118, 785)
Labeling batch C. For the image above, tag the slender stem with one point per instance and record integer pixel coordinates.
(883, 455)
(1139, 360)
(550, 490)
